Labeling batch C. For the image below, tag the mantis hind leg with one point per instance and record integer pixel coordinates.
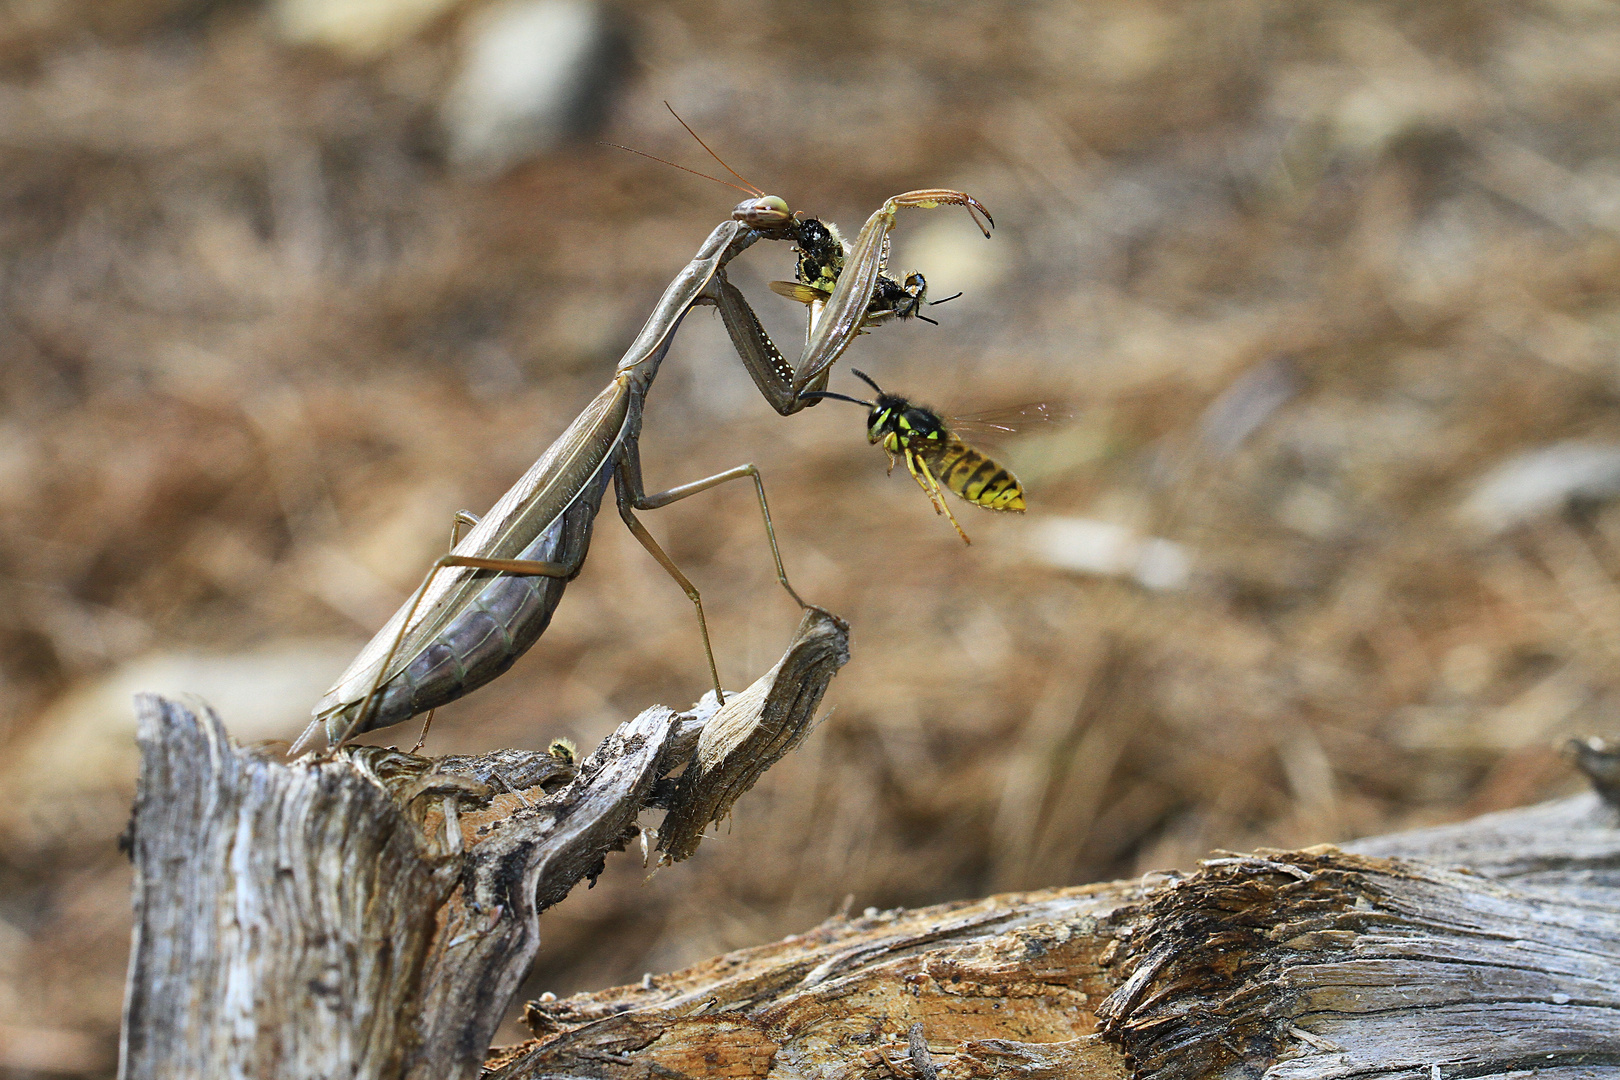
(463, 519)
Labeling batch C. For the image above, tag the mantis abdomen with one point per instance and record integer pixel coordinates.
(506, 616)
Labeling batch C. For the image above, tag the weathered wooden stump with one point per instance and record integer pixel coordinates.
(372, 914)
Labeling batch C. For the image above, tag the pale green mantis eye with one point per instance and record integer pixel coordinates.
(767, 211)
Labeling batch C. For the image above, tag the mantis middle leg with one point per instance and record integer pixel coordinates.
(631, 496)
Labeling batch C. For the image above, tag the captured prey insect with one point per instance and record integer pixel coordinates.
(866, 296)
(485, 603)
(891, 299)
(934, 454)
(821, 261)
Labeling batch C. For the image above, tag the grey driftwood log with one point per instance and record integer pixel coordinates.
(372, 914)
(1488, 949)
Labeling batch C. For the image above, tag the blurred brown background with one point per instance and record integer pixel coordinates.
(1333, 290)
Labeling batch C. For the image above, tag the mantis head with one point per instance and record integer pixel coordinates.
(763, 212)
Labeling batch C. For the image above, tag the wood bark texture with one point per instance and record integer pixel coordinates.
(371, 913)
(1489, 949)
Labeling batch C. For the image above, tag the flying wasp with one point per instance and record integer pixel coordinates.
(934, 454)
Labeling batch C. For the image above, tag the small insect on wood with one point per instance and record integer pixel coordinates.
(482, 605)
(934, 454)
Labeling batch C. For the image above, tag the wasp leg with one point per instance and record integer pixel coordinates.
(914, 463)
(932, 487)
(911, 466)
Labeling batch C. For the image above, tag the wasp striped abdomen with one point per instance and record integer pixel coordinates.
(975, 477)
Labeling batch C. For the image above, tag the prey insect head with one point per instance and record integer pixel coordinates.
(906, 300)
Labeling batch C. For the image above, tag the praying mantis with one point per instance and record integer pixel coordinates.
(483, 604)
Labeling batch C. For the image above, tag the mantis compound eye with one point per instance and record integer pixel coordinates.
(765, 212)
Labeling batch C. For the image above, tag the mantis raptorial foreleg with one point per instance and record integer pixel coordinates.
(462, 630)
(770, 370)
(846, 309)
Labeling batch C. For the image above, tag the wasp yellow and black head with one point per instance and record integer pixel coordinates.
(935, 457)
(893, 421)
(898, 422)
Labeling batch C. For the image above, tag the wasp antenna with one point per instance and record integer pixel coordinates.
(683, 168)
(926, 319)
(865, 378)
(946, 300)
(808, 394)
(756, 192)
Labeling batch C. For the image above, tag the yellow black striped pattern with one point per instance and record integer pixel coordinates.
(957, 466)
(972, 475)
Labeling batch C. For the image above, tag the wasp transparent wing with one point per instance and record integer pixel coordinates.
(804, 294)
(994, 424)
